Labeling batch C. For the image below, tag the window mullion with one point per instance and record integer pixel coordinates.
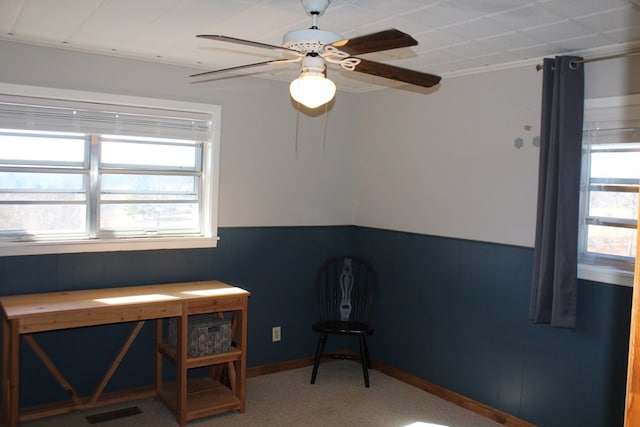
(585, 196)
(612, 222)
(93, 190)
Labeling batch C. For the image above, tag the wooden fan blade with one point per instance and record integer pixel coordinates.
(397, 73)
(375, 42)
(238, 67)
(242, 41)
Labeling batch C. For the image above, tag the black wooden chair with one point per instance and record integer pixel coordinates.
(345, 286)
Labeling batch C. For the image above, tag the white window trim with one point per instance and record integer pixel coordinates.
(605, 275)
(593, 111)
(209, 240)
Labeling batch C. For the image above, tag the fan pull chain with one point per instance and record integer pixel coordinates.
(326, 121)
(297, 128)
(324, 136)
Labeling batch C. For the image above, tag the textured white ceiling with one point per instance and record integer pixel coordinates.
(455, 36)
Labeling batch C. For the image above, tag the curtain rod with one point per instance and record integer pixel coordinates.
(598, 58)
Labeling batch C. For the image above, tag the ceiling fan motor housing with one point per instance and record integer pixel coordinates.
(315, 7)
(309, 40)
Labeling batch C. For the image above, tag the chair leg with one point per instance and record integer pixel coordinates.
(366, 349)
(364, 359)
(322, 340)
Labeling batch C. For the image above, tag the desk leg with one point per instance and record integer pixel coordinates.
(6, 384)
(158, 361)
(240, 318)
(10, 373)
(181, 368)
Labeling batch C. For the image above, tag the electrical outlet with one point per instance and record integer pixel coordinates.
(275, 333)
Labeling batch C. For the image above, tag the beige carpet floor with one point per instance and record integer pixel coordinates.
(338, 398)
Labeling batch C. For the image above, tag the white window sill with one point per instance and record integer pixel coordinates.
(605, 275)
(111, 245)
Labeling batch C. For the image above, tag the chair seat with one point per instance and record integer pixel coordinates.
(343, 327)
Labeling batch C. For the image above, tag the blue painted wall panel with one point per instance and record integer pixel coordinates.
(450, 311)
(456, 313)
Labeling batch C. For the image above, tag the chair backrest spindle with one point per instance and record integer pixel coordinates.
(345, 287)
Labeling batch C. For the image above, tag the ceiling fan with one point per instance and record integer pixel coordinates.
(313, 48)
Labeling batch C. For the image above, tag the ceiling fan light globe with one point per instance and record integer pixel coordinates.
(312, 89)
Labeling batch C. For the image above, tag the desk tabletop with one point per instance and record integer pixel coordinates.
(18, 306)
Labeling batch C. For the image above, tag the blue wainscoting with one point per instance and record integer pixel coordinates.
(276, 264)
(455, 313)
(452, 312)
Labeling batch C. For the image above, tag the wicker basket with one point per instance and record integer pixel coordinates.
(206, 334)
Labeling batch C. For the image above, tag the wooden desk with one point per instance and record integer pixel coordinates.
(27, 314)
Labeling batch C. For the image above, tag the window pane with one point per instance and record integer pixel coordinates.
(27, 181)
(46, 198)
(610, 204)
(45, 219)
(36, 149)
(156, 184)
(178, 156)
(149, 216)
(611, 240)
(615, 164)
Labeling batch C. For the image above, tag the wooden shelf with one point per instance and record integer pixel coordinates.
(232, 355)
(205, 397)
(223, 389)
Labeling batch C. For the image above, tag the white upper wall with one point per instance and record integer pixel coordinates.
(267, 178)
(443, 163)
(446, 163)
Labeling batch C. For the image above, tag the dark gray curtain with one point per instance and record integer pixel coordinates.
(555, 283)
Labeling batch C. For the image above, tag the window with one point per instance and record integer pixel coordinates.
(610, 185)
(81, 176)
